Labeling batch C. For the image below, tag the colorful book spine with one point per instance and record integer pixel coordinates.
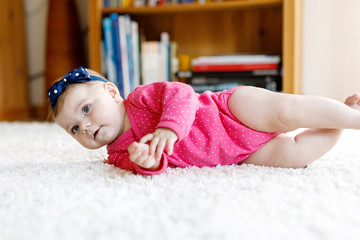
(235, 67)
(126, 64)
(214, 87)
(135, 52)
(165, 54)
(109, 50)
(201, 85)
(150, 62)
(129, 51)
(231, 74)
(236, 59)
(124, 56)
(117, 52)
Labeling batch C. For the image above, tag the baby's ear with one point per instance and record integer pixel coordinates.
(113, 91)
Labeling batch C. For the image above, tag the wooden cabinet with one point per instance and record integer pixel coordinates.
(243, 26)
(14, 95)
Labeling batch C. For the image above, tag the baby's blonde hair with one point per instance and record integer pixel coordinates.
(53, 112)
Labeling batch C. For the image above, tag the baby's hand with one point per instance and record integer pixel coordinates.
(159, 139)
(139, 154)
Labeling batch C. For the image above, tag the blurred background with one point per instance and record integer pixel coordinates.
(330, 50)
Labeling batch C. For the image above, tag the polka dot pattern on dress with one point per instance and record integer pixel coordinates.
(209, 135)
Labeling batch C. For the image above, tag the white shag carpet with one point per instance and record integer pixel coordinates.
(52, 188)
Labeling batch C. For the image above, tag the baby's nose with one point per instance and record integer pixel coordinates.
(85, 126)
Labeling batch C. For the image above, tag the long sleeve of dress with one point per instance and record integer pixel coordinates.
(175, 103)
(164, 104)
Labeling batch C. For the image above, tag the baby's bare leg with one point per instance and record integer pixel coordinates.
(306, 147)
(295, 152)
(268, 111)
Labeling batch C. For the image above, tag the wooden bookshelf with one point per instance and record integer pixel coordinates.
(243, 26)
(14, 87)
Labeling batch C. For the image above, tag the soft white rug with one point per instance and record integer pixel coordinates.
(52, 188)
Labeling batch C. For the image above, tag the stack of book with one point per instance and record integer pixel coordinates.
(156, 60)
(218, 73)
(127, 62)
(121, 52)
(150, 3)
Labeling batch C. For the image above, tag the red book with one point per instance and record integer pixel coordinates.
(235, 67)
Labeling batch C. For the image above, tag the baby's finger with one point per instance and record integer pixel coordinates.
(170, 146)
(140, 160)
(148, 163)
(133, 147)
(153, 145)
(135, 156)
(146, 138)
(160, 149)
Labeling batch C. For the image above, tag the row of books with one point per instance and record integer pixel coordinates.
(150, 3)
(239, 62)
(219, 81)
(219, 73)
(127, 62)
(121, 48)
(157, 60)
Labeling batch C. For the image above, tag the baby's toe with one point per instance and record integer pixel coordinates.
(354, 99)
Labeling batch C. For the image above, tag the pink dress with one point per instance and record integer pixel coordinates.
(208, 133)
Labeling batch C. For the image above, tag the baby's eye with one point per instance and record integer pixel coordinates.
(75, 128)
(86, 109)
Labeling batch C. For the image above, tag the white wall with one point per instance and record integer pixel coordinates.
(331, 48)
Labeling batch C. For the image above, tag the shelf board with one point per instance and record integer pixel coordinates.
(196, 7)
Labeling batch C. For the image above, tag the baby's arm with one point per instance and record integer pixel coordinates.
(149, 156)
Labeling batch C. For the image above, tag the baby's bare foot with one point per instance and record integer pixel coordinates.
(353, 101)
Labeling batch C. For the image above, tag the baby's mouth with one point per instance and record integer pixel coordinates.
(96, 133)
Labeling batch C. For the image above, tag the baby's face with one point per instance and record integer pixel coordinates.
(92, 113)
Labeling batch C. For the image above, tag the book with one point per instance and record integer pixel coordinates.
(201, 84)
(150, 3)
(244, 81)
(126, 63)
(240, 62)
(214, 87)
(165, 55)
(135, 53)
(235, 67)
(236, 59)
(129, 51)
(150, 62)
(156, 59)
(233, 74)
(124, 56)
(109, 50)
(117, 52)
(122, 52)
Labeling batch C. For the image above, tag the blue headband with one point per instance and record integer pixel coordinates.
(78, 75)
